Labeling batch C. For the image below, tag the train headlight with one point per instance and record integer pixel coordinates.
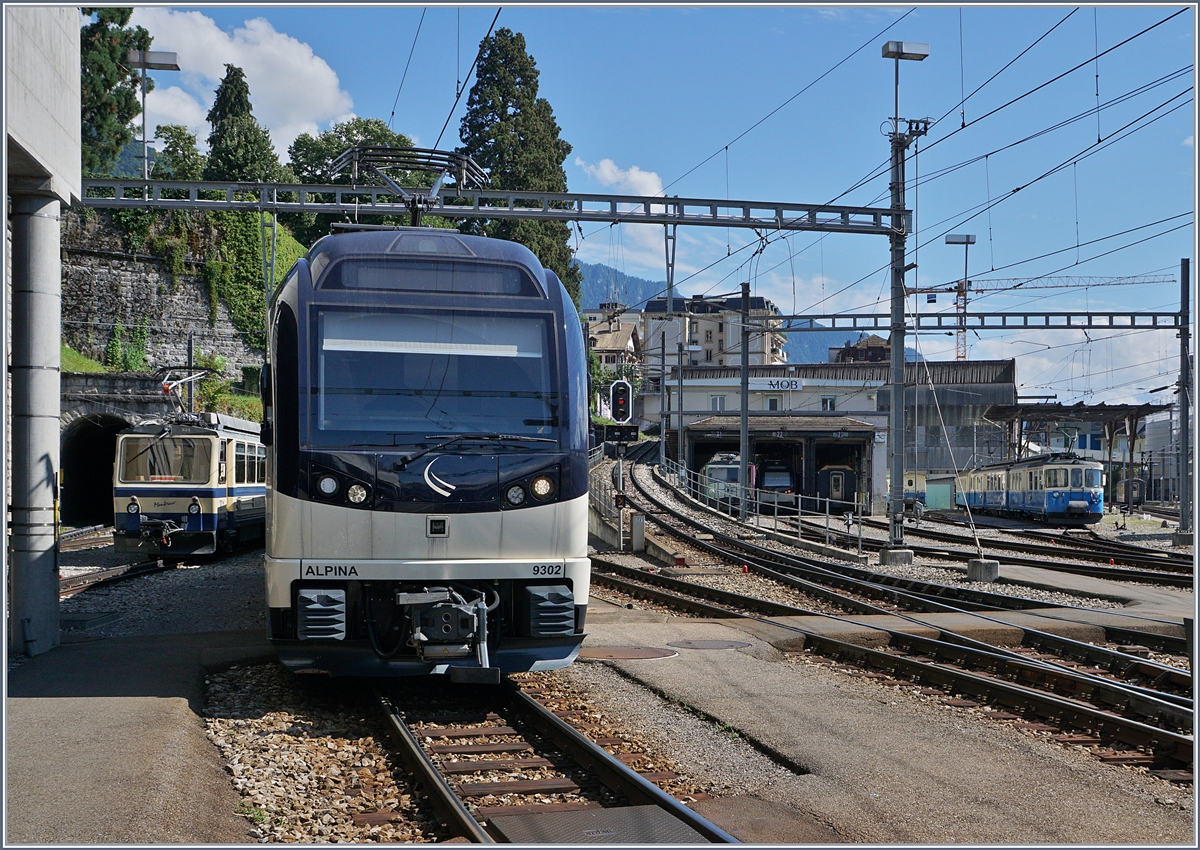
(194, 507)
(327, 485)
(542, 487)
(515, 495)
(133, 507)
(357, 494)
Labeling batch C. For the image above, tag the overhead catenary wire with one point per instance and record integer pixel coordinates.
(404, 76)
(458, 97)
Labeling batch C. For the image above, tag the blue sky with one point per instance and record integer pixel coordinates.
(667, 98)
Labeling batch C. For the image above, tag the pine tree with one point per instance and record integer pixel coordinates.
(511, 132)
(109, 87)
(239, 149)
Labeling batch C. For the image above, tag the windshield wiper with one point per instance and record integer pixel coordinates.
(158, 439)
(451, 439)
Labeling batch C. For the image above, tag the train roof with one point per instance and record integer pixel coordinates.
(426, 242)
(220, 423)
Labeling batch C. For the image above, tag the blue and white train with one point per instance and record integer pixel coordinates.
(1057, 488)
(190, 484)
(427, 429)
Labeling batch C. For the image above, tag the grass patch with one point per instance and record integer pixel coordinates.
(73, 361)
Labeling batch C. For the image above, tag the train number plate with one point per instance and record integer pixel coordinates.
(547, 569)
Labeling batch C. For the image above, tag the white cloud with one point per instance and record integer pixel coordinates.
(293, 90)
(172, 105)
(630, 181)
(1188, 142)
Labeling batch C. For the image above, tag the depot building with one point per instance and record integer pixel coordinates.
(826, 417)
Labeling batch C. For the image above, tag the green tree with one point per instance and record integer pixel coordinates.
(179, 158)
(239, 149)
(310, 158)
(109, 87)
(512, 133)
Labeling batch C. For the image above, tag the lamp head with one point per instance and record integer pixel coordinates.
(905, 50)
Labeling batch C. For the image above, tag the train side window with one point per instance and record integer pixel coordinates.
(262, 464)
(1076, 477)
(239, 454)
(221, 462)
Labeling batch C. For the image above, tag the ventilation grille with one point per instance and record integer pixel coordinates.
(322, 614)
(548, 610)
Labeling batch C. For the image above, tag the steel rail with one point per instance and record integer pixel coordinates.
(1118, 662)
(612, 772)
(1136, 732)
(1163, 561)
(441, 796)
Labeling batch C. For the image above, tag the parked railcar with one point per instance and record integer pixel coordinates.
(1060, 488)
(719, 480)
(839, 484)
(190, 484)
(428, 430)
(1137, 489)
(914, 489)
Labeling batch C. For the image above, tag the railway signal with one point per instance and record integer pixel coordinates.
(621, 401)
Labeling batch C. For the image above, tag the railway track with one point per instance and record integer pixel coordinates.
(848, 581)
(1047, 700)
(71, 585)
(1091, 548)
(85, 538)
(501, 764)
(1105, 698)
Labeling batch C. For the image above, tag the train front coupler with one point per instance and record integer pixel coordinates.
(445, 626)
(160, 530)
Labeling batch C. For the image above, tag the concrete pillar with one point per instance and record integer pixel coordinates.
(36, 335)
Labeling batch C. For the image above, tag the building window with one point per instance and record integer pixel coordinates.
(829, 402)
(708, 355)
(720, 345)
(774, 402)
(716, 403)
(708, 336)
(720, 327)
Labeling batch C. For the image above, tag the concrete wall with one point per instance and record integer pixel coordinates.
(41, 96)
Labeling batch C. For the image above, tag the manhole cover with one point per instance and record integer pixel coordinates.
(625, 653)
(708, 644)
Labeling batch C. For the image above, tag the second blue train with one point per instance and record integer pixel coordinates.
(1058, 488)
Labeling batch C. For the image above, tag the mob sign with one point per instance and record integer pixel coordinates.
(775, 384)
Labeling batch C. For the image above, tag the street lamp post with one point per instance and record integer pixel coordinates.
(153, 60)
(895, 553)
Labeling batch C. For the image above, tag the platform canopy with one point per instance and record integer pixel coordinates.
(1105, 413)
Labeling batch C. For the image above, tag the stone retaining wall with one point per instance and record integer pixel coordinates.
(102, 283)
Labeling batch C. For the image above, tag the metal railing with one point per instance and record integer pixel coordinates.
(726, 496)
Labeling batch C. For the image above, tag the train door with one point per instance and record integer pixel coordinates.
(837, 486)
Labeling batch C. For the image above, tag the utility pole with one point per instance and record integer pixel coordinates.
(744, 465)
(679, 442)
(191, 384)
(1184, 536)
(895, 553)
(662, 399)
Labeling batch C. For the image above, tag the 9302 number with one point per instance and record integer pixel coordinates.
(547, 569)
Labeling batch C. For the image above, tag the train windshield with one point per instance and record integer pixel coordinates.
(1091, 477)
(151, 458)
(391, 378)
(723, 473)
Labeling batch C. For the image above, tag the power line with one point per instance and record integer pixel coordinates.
(793, 97)
(404, 76)
(468, 79)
